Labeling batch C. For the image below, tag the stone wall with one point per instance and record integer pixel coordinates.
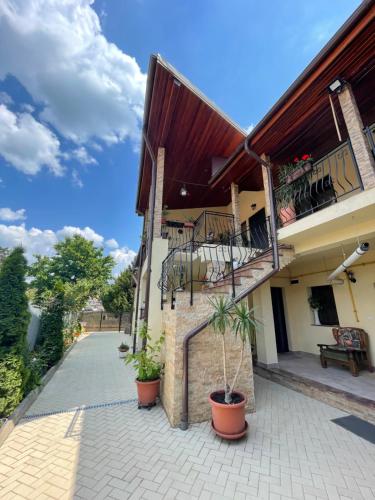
(205, 361)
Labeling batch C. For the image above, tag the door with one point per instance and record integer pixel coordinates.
(258, 230)
(279, 319)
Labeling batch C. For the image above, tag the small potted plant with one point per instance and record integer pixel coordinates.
(228, 405)
(123, 349)
(302, 166)
(315, 305)
(148, 368)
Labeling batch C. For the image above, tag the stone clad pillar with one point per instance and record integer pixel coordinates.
(235, 207)
(266, 338)
(265, 184)
(360, 145)
(159, 192)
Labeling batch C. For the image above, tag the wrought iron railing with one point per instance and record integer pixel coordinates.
(213, 227)
(177, 233)
(331, 178)
(370, 133)
(197, 262)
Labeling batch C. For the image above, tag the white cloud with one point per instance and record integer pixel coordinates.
(5, 98)
(112, 243)
(81, 155)
(88, 86)
(249, 128)
(27, 144)
(7, 214)
(77, 182)
(32, 240)
(123, 258)
(37, 241)
(86, 232)
(28, 108)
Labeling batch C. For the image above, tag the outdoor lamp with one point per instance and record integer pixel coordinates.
(183, 191)
(336, 86)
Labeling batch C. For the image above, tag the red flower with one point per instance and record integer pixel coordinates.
(296, 160)
(305, 157)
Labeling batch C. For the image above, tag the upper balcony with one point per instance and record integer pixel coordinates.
(307, 186)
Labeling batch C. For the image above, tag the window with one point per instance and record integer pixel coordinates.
(327, 312)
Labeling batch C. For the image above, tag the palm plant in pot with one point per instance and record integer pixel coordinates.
(148, 368)
(228, 405)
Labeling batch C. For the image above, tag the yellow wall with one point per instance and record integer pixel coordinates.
(302, 334)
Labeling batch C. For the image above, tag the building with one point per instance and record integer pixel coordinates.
(227, 213)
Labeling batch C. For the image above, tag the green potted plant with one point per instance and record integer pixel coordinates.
(284, 195)
(316, 306)
(148, 368)
(228, 404)
(123, 349)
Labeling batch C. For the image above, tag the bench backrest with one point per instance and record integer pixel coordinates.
(348, 336)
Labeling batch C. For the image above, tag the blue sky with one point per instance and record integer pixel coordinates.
(72, 80)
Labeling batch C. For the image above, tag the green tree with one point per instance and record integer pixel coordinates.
(14, 320)
(118, 297)
(14, 313)
(77, 272)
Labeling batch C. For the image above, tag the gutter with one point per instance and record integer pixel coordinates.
(184, 424)
(137, 297)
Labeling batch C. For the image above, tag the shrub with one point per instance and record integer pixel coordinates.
(51, 342)
(12, 372)
(14, 313)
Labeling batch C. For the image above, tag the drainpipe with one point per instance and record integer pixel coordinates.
(151, 229)
(137, 297)
(184, 424)
(358, 252)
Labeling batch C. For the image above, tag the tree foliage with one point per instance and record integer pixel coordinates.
(14, 313)
(118, 297)
(14, 319)
(77, 272)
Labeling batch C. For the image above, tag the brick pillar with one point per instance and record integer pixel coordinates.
(159, 192)
(360, 145)
(235, 207)
(265, 184)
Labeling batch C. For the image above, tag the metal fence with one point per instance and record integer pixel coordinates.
(98, 321)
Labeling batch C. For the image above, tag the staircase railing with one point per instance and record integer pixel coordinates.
(205, 263)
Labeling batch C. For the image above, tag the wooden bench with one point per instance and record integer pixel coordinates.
(351, 349)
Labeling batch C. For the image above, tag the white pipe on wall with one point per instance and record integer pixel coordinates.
(358, 252)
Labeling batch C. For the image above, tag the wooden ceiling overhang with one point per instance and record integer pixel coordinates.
(301, 121)
(192, 130)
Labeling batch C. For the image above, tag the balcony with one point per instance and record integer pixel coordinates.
(211, 227)
(311, 187)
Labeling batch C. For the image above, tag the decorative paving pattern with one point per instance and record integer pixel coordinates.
(293, 451)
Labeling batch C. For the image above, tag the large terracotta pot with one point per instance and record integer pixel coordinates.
(228, 421)
(147, 392)
(287, 215)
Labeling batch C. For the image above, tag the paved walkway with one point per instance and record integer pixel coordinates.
(293, 450)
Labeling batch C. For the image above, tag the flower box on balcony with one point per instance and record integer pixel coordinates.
(299, 172)
(189, 225)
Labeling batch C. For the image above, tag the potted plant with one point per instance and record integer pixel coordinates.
(148, 368)
(228, 405)
(315, 305)
(123, 350)
(285, 192)
(302, 166)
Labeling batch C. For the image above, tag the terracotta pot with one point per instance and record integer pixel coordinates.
(228, 421)
(287, 215)
(147, 392)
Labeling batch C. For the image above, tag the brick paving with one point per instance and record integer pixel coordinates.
(293, 450)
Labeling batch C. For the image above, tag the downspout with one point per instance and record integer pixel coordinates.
(137, 297)
(184, 424)
(151, 229)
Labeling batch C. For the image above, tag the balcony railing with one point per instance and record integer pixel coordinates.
(333, 177)
(370, 133)
(198, 263)
(210, 226)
